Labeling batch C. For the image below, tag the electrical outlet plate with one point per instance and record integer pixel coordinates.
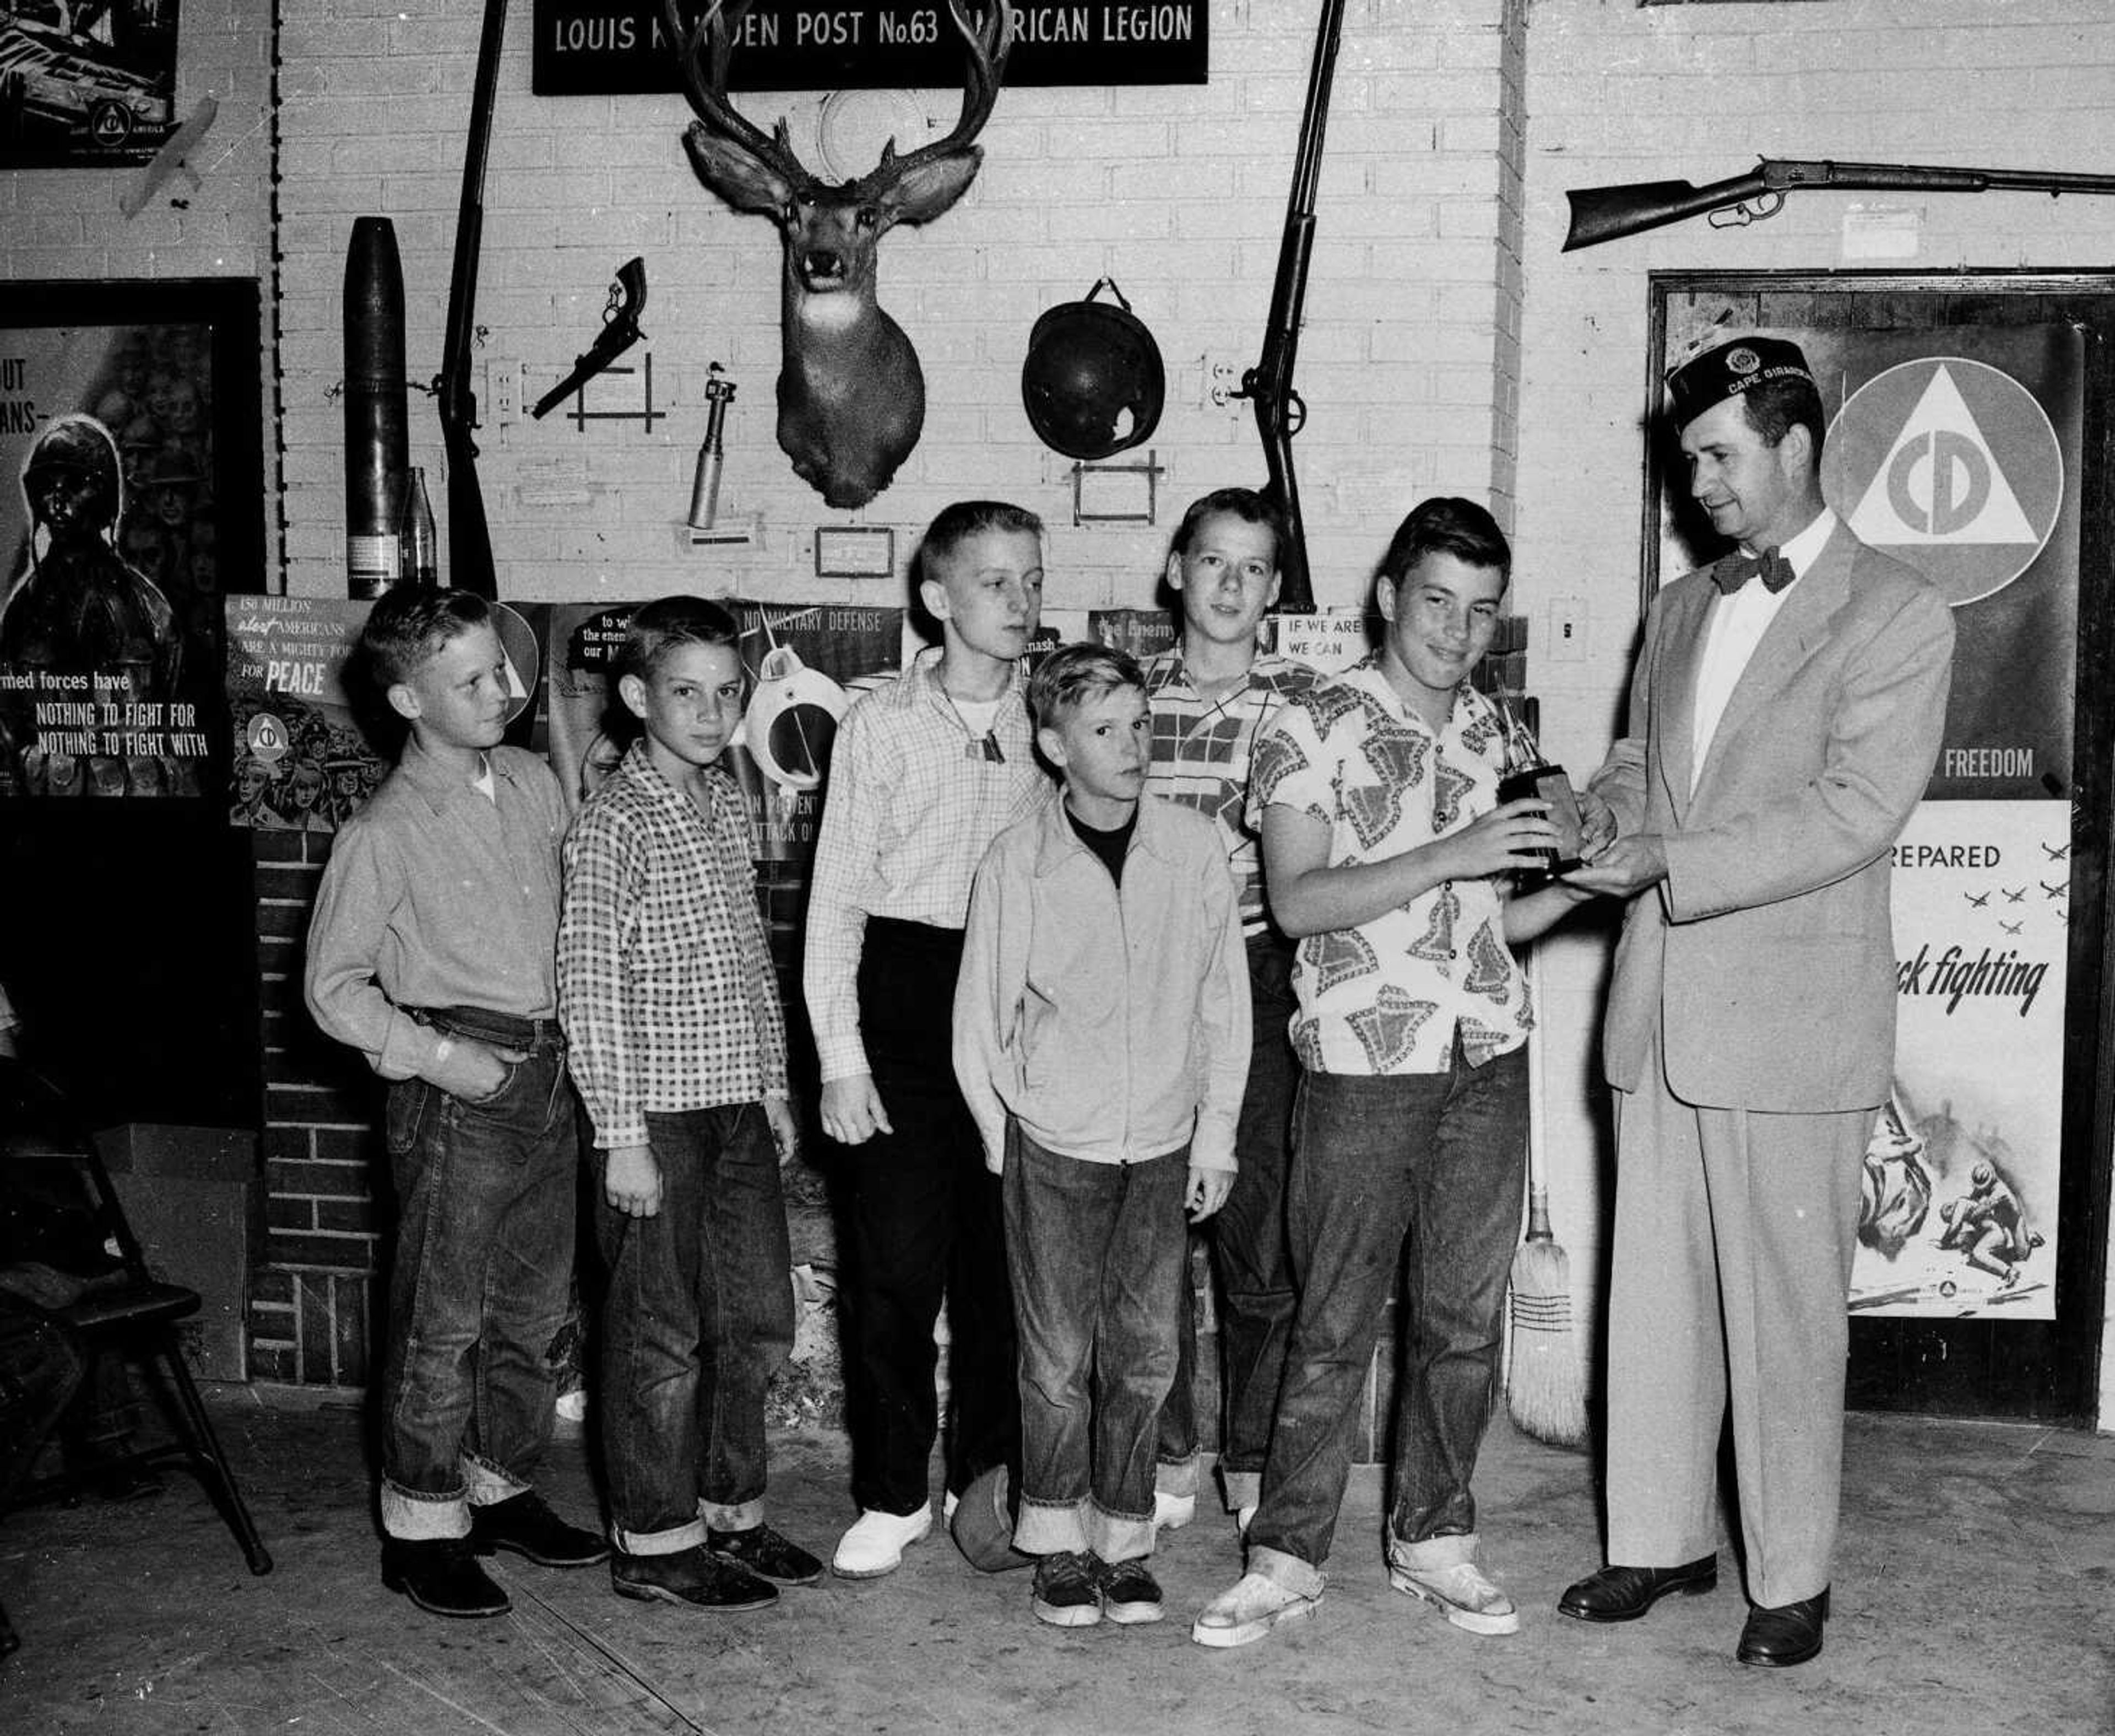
(503, 391)
(1222, 382)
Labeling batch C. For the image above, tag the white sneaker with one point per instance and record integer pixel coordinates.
(1172, 1511)
(1248, 1610)
(1443, 1571)
(875, 1541)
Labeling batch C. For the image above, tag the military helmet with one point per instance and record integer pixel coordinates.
(1093, 383)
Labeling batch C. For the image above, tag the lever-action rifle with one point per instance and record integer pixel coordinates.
(1603, 213)
(469, 537)
(619, 331)
(1280, 410)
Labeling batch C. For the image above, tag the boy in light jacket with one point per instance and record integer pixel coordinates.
(1101, 1039)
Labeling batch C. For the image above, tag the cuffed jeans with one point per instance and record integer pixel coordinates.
(483, 1263)
(1438, 1158)
(1094, 1249)
(1247, 1235)
(698, 1314)
(925, 1220)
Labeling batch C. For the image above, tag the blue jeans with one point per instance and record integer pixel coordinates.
(698, 1315)
(1094, 1250)
(1255, 1271)
(483, 1262)
(1439, 1159)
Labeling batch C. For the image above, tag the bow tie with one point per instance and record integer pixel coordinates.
(1736, 570)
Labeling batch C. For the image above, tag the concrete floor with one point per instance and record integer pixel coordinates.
(1975, 1593)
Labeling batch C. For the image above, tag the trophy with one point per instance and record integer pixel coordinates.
(1528, 774)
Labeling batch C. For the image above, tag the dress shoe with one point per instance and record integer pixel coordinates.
(692, 1576)
(1788, 1634)
(442, 1577)
(766, 1553)
(1622, 1594)
(524, 1524)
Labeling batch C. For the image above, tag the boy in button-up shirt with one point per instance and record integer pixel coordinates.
(665, 990)
(430, 953)
(926, 770)
(1388, 853)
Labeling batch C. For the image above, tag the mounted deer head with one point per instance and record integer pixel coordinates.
(851, 397)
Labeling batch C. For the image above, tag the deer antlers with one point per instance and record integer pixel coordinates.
(851, 396)
(706, 46)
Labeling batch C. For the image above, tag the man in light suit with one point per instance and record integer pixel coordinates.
(1785, 715)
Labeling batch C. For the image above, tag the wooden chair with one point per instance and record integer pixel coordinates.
(59, 1191)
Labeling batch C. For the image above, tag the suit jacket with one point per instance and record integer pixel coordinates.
(1765, 963)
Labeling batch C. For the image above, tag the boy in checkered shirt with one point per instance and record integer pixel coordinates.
(666, 992)
(1211, 694)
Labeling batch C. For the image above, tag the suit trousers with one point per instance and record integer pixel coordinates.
(925, 1223)
(1730, 1273)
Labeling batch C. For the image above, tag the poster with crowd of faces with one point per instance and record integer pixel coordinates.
(128, 426)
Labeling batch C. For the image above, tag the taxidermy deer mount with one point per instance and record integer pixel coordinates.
(851, 396)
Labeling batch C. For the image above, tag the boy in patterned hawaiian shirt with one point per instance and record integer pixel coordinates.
(1388, 855)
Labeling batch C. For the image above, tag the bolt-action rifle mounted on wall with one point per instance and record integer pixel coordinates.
(1280, 411)
(1604, 214)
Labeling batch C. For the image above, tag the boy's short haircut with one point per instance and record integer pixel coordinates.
(1246, 504)
(658, 627)
(409, 623)
(1446, 525)
(1074, 673)
(965, 519)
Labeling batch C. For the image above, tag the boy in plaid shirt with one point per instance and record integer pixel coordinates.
(666, 992)
(1211, 694)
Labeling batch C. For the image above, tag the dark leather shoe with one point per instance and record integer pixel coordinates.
(524, 1524)
(766, 1553)
(442, 1577)
(1622, 1594)
(1790, 1633)
(694, 1576)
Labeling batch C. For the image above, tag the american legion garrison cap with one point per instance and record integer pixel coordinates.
(1730, 370)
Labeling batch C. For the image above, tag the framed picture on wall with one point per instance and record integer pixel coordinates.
(132, 501)
(129, 453)
(84, 83)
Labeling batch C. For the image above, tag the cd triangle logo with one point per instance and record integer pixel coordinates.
(1940, 482)
(1951, 465)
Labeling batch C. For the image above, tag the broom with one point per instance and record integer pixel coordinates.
(1546, 1380)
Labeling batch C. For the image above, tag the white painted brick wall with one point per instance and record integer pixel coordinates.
(1178, 194)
